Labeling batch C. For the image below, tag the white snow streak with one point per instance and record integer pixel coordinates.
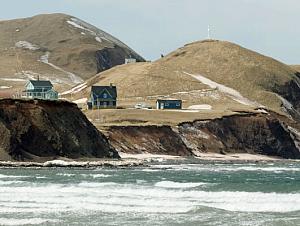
(80, 101)
(75, 89)
(5, 87)
(26, 45)
(232, 93)
(74, 78)
(77, 25)
(13, 79)
(98, 39)
(200, 107)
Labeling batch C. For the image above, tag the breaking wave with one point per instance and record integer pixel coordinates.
(113, 197)
(172, 184)
(30, 221)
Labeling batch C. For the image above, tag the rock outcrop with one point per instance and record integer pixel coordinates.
(35, 129)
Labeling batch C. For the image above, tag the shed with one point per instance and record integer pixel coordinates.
(168, 104)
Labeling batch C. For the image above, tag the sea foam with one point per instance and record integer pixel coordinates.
(111, 197)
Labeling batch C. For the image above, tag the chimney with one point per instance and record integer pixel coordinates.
(111, 85)
(38, 77)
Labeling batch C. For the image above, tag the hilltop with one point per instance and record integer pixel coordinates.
(221, 74)
(58, 47)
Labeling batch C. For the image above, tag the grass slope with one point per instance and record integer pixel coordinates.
(71, 44)
(253, 75)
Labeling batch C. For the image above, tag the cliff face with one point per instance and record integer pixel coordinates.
(151, 139)
(109, 57)
(249, 133)
(290, 91)
(30, 129)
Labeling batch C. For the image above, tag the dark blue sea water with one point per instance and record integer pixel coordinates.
(168, 193)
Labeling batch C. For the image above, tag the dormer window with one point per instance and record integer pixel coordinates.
(105, 95)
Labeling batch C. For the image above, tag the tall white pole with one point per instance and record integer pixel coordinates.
(208, 32)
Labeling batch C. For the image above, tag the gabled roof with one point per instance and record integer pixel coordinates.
(41, 83)
(98, 90)
(168, 99)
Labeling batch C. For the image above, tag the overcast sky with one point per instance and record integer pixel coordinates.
(152, 27)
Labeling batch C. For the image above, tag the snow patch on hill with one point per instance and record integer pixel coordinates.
(232, 93)
(99, 34)
(80, 101)
(74, 78)
(98, 39)
(200, 107)
(75, 89)
(26, 45)
(13, 79)
(5, 87)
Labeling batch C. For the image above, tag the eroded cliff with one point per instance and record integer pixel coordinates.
(151, 139)
(242, 133)
(33, 129)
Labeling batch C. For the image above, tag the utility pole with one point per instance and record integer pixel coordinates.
(208, 32)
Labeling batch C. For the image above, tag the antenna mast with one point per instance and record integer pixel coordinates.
(208, 32)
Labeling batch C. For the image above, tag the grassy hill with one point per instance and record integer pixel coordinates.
(218, 73)
(60, 47)
(296, 67)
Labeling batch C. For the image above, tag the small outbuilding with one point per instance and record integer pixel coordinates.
(168, 104)
(103, 97)
(130, 60)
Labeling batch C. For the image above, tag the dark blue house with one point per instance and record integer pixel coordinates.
(103, 97)
(168, 104)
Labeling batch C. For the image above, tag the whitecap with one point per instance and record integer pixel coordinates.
(172, 184)
(26, 221)
(95, 184)
(12, 176)
(99, 175)
(11, 182)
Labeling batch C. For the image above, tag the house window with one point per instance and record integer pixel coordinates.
(105, 95)
(166, 104)
(177, 104)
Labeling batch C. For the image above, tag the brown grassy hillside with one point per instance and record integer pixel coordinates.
(258, 78)
(75, 50)
(296, 67)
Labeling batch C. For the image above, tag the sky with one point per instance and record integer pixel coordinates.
(152, 27)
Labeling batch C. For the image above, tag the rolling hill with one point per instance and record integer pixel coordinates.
(218, 73)
(58, 47)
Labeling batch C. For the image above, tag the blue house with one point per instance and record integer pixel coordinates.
(168, 104)
(40, 89)
(103, 97)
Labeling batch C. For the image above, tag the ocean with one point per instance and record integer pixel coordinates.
(185, 192)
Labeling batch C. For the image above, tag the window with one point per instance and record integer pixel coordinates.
(166, 104)
(105, 95)
(177, 104)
